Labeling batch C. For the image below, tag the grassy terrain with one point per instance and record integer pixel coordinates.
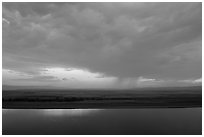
(129, 98)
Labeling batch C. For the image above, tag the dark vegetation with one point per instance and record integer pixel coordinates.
(129, 98)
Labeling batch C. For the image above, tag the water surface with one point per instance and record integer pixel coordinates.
(102, 121)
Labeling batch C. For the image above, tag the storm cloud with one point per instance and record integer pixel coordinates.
(122, 40)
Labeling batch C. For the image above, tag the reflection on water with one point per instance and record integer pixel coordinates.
(53, 112)
(106, 121)
(68, 112)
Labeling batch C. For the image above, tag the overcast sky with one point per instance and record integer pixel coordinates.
(102, 45)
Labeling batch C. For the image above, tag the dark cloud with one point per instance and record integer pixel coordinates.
(44, 78)
(64, 79)
(161, 40)
(32, 8)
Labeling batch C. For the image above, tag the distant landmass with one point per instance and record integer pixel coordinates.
(16, 97)
(12, 87)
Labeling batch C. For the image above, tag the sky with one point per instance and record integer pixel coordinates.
(102, 45)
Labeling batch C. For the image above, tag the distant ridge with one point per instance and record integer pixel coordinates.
(12, 87)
